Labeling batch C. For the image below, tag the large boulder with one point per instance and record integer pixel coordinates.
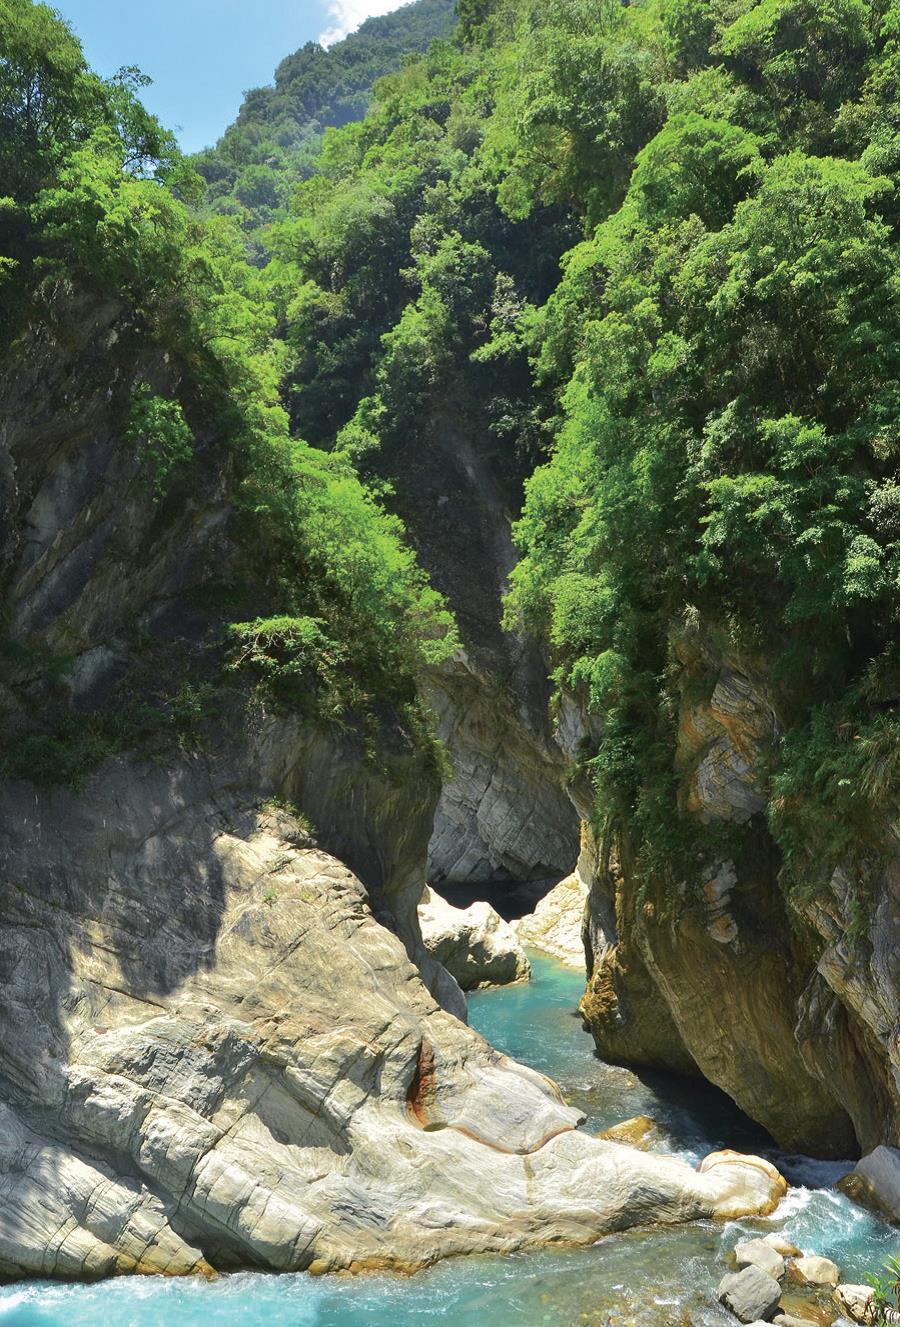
(751, 1178)
(556, 924)
(214, 1055)
(875, 1181)
(751, 1294)
(475, 944)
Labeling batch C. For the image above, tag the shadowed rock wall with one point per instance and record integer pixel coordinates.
(788, 1008)
(504, 812)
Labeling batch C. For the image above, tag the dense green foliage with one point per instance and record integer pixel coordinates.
(648, 251)
(97, 199)
(274, 143)
(162, 433)
(725, 341)
(714, 375)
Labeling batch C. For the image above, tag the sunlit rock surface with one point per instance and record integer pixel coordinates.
(556, 924)
(787, 1006)
(474, 944)
(214, 1054)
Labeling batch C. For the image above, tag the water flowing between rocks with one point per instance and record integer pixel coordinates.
(649, 1278)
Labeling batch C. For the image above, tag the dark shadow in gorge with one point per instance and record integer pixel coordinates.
(699, 1116)
(511, 898)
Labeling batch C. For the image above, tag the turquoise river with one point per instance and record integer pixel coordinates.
(650, 1278)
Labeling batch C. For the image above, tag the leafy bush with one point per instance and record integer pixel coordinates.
(164, 439)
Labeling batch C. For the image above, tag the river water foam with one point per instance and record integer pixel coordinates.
(656, 1278)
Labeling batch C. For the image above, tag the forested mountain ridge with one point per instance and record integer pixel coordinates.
(277, 135)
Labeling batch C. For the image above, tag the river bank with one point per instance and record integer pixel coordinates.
(644, 1278)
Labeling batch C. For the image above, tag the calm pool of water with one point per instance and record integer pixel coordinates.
(640, 1279)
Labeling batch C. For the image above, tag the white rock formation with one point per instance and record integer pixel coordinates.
(555, 925)
(815, 1270)
(475, 944)
(217, 1056)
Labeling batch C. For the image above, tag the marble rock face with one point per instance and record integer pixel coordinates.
(475, 944)
(214, 1055)
(711, 973)
(555, 925)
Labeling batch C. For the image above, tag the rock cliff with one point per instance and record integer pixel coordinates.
(785, 1002)
(219, 1048)
(503, 813)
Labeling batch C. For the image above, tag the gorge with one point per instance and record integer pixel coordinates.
(458, 483)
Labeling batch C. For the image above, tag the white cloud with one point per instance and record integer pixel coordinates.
(346, 16)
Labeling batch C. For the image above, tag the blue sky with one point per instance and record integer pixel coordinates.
(204, 54)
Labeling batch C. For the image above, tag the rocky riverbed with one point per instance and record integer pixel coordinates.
(651, 1277)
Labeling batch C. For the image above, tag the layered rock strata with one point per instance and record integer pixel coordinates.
(214, 1055)
(503, 813)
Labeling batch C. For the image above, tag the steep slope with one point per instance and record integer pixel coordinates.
(277, 135)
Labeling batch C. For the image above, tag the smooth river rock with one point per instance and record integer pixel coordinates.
(814, 1270)
(555, 926)
(875, 1181)
(474, 944)
(757, 1253)
(750, 1294)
